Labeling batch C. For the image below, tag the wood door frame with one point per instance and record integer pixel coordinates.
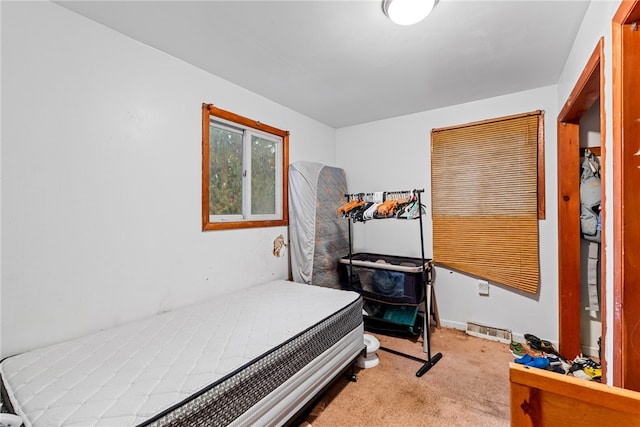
(626, 233)
(589, 87)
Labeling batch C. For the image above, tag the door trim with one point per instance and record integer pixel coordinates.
(587, 90)
(626, 292)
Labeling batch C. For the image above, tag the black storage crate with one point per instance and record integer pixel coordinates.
(395, 320)
(385, 278)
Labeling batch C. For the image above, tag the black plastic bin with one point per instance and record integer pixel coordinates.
(386, 278)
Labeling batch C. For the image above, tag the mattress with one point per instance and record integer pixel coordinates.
(316, 232)
(251, 356)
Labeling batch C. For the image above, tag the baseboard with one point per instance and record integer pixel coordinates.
(515, 336)
(453, 325)
(481, 331)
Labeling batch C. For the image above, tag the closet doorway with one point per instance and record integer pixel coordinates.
(626, 198)
(584, 95)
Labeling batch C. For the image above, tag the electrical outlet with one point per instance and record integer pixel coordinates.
(483, 287)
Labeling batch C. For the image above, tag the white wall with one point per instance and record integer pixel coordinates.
(101, 178)
(394, 154)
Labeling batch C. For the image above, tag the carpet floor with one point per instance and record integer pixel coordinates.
(469, 386)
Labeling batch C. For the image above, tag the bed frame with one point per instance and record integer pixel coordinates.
(545, 398)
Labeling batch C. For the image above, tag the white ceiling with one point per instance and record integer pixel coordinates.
(343, 62)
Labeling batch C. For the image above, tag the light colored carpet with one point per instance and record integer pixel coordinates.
(469, 386)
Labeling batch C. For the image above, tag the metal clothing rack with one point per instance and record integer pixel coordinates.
(426, 282)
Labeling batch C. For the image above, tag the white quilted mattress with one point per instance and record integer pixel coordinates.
(126, 375)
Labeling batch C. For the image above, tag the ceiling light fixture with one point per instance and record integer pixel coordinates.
(407, 12)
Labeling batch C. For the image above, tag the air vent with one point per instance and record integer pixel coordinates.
(489, 332)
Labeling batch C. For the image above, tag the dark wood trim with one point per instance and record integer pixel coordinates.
(569, 238)
(483, 122)
(602, 153)
(209, 110)
(627, 12)
(205, 166)
(630, 177)
(542, 197)
(626, 231)
(245, 121)
(617, 330)
(587, 90)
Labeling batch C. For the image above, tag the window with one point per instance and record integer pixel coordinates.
(244, 172)
(487, 198)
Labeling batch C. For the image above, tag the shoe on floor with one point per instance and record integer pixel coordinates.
(535, 362)
(557, 368)
(524, 359)
(586, 368)
(539, 344)
(517, 349)
(554, 360)
(594, 373)
(582, 361)
(579, 373)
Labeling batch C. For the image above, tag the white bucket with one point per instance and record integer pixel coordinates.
(10, 420)
(371, 359)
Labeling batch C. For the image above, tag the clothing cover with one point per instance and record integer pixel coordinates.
(319, 236)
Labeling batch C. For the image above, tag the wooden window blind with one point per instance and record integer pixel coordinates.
(484, 194)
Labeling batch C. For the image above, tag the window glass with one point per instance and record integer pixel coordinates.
(263, 175)
(225, 171)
